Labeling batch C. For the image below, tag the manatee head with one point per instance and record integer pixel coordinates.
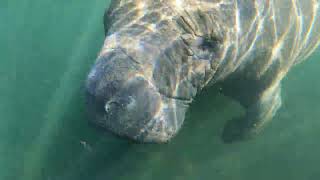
(124, 100)
(148, 72)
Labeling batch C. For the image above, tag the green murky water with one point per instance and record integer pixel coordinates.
(47, 48)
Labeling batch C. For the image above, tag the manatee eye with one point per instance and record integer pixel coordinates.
(210, 43)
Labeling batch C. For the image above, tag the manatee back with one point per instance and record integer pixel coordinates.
(284, 32)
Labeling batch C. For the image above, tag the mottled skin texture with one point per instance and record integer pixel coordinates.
(158, 54)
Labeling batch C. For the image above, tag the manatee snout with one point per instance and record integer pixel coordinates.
(123, 101)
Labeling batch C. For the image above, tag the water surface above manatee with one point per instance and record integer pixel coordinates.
(47, 50)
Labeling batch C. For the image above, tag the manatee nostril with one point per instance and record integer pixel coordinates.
(109, 104)
(107, 107)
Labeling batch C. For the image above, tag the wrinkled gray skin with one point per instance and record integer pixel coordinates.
(158, 54)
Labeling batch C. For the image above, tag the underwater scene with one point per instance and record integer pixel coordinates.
(48, 48)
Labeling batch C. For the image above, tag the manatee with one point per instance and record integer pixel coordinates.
(158, 54)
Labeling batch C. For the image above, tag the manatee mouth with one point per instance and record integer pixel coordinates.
(122, 101)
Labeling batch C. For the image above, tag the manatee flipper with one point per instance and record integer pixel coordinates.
(260, 98)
